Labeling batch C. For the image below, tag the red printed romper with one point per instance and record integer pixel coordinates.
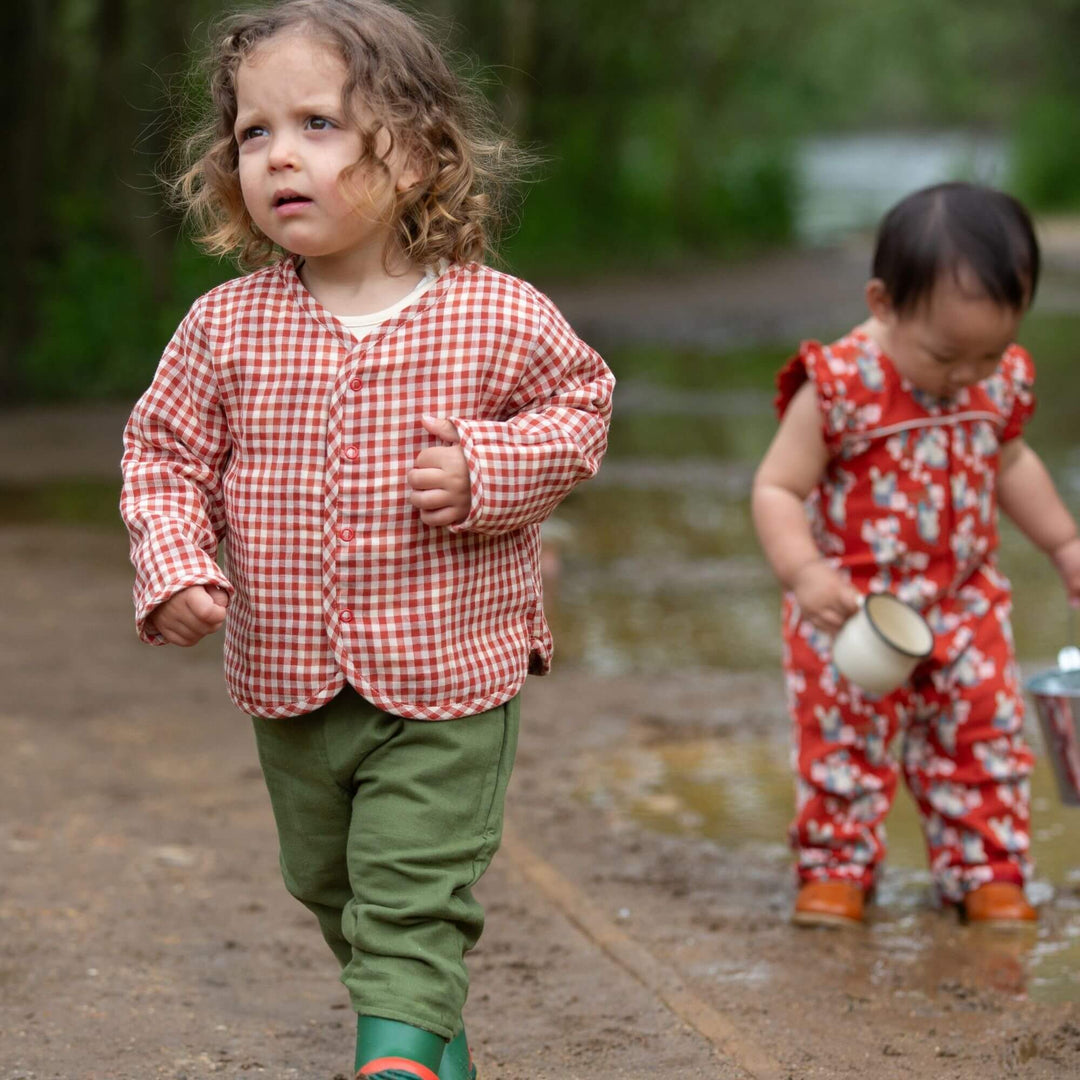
(908, 504)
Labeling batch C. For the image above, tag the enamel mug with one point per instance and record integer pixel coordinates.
(879, 647)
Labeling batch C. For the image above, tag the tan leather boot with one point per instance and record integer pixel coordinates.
(999, 903)
(829, 903)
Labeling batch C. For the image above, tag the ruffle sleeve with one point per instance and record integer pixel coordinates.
(1019, 371)
(812, 363)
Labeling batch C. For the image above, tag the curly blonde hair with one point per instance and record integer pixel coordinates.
(397, 75)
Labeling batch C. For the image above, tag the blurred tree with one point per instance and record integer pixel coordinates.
(1048, 128)
(667, 130)
(28, 82)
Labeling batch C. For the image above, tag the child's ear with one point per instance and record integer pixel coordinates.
(410, 174)
(398, 158)
(878, 300)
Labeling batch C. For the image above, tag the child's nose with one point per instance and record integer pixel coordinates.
(282, 153)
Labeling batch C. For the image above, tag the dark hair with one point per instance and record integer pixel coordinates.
(949, 227)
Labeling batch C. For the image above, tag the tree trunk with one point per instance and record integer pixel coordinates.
(135, 137)
(28, 82)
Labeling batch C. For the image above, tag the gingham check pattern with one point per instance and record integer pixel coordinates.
(269, 426)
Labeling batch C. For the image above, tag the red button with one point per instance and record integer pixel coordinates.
(346, 535)
(352, 452)
(356, 384)
(346, 615)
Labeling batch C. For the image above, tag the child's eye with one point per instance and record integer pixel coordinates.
(320, 123)
(251, 133)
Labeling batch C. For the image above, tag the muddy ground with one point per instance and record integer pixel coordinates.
(144, 931)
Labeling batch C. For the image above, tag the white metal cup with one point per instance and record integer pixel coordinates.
(879, 647)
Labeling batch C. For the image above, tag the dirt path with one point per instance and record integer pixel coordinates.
(144, 930)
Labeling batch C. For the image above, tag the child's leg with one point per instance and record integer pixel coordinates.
(968, 766)
(428, 802)
(846, 779)
(312, 811)
(427, 819)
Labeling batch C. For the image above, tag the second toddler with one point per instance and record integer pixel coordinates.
(897, 446)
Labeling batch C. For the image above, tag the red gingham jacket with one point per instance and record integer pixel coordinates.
(269, 426)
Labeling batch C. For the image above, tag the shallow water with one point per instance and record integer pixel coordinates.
(737, 792)
(849, 181)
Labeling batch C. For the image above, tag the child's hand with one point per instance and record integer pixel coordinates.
(825, 596)
(1067, 560)
(439, 478)
(186, 618)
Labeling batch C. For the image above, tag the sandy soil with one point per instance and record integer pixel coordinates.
(144, 931)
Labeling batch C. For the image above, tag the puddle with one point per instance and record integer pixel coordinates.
(738, 791)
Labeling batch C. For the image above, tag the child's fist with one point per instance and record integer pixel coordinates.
(186, 618)
(439, 479)
(825, 596)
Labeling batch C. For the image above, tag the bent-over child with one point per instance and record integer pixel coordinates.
(897, 446)
(377, 424)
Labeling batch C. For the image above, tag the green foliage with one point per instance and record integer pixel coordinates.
(1047, 154)
(93, 310)
(668, 130)
(67, 502)
(101, 328)
(652, 194)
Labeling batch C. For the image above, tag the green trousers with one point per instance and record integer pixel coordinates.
(385, 825)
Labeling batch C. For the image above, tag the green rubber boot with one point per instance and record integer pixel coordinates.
(456, 1060)
(390, 1050)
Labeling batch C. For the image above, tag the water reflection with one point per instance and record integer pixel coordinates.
(738, 792)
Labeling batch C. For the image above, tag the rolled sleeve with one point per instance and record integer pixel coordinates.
(175, 445)
(520, 469)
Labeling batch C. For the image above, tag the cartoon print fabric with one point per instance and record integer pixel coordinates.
(908, 505)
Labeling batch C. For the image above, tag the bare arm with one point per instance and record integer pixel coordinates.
(1027, 494)
(790, 470)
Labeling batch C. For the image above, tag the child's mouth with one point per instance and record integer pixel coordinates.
(289, 199)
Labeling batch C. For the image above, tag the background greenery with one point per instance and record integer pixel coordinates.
(668, 132)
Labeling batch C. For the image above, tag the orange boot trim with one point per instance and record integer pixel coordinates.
(396, 1067)
(999, 903)
(829, 903)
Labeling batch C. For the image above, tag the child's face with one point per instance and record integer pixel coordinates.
(953, 340)
(294, 142)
